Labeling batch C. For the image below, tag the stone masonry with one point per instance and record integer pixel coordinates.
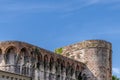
(95, 54)
(88, 60)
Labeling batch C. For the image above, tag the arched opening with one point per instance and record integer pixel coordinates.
(62, 69)
(39, 57)
(77, 72)
(58, 68)
(67, 69)
(72, 70)
(77, 67)
(51, 63)
(1, 56)
(10, 55)
(62, 66)
(33, 58)
(33, 62)
(24, 60)
(45, 62)
(58, 65)
(24, 54)
(45, 66)
(80, 77)
(39, 60)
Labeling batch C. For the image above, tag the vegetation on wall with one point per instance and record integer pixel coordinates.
(36, 51)
(58, 50)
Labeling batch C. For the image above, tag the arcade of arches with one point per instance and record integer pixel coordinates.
(40, 64)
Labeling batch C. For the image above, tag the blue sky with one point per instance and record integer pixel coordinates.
(51, 23)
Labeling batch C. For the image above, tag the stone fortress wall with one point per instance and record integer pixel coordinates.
(39, 64)
(95, 54)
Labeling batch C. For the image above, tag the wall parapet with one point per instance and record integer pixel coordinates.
(90, 44)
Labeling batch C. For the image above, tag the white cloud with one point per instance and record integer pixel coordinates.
(116, 70)
(56, 6)
(110, 1)
(109, 32)
(65, 6)
(59, 6)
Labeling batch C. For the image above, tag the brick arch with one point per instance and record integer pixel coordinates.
(35, 57)
(51, 63)
(24, 51)
(63, 63)
(67, 63)
(24, 55)
(62, 66)
(58, 61)
(46, 58)
(36, 54)
(57, 65)
(72, 70)
(77, 67)
(39, 57)
(1, 55)
(11, 48)
(73, 65)
(32, 53)
(77, 71)
(79, 76)
(45, 62)
(67, 68)
(10, 55)
(39, 60)
(0, 51)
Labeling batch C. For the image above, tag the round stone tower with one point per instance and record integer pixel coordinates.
(96, 54)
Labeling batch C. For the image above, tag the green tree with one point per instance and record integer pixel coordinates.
(115, 78)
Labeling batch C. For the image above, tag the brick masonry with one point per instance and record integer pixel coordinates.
(96, 54)
(88, 60)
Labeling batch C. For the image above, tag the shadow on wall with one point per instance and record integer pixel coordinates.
(86, 74)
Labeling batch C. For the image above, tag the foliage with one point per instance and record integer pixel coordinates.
(59, 50)
(36, 50)
(115, 78)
